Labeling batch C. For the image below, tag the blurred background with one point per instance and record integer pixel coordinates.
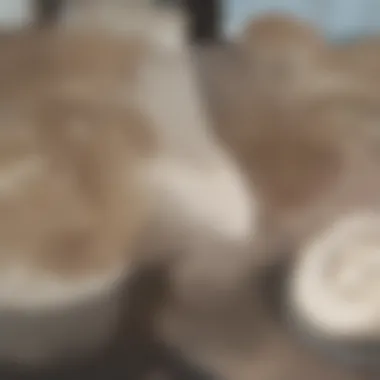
(277, 356)
(339, 19)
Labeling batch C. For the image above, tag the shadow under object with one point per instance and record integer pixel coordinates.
(135, 354)
(47, 11)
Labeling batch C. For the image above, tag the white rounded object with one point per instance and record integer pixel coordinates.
(335, 287)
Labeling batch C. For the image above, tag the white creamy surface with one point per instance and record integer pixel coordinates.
(193, 171)
(23, 288)
(336, 283)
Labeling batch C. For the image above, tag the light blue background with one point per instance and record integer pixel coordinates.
(338, 18)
